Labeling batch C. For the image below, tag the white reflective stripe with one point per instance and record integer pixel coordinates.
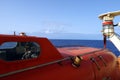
(33, 67)
(115, 40)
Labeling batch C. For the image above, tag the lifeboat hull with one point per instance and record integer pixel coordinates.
(65, 63)
(64, 70)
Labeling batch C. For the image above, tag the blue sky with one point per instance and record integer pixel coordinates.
(62, 19)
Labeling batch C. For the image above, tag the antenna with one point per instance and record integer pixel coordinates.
(14, 33)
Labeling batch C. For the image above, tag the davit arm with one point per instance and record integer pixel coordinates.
(108, 27)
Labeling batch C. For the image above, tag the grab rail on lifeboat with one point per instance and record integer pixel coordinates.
(46, 64)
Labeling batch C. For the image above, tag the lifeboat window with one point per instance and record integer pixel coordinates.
(11, 51)
(8, 45)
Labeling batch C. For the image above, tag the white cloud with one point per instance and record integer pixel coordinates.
(48, 31)
(54, 27)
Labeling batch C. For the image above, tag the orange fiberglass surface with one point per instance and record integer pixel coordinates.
(34, 58)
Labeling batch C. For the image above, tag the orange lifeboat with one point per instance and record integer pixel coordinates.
(33, 58)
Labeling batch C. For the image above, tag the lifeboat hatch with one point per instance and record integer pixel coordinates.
(22, 34)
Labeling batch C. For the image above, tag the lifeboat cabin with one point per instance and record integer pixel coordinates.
(25, 57)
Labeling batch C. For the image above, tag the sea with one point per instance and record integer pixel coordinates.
(88, 43)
